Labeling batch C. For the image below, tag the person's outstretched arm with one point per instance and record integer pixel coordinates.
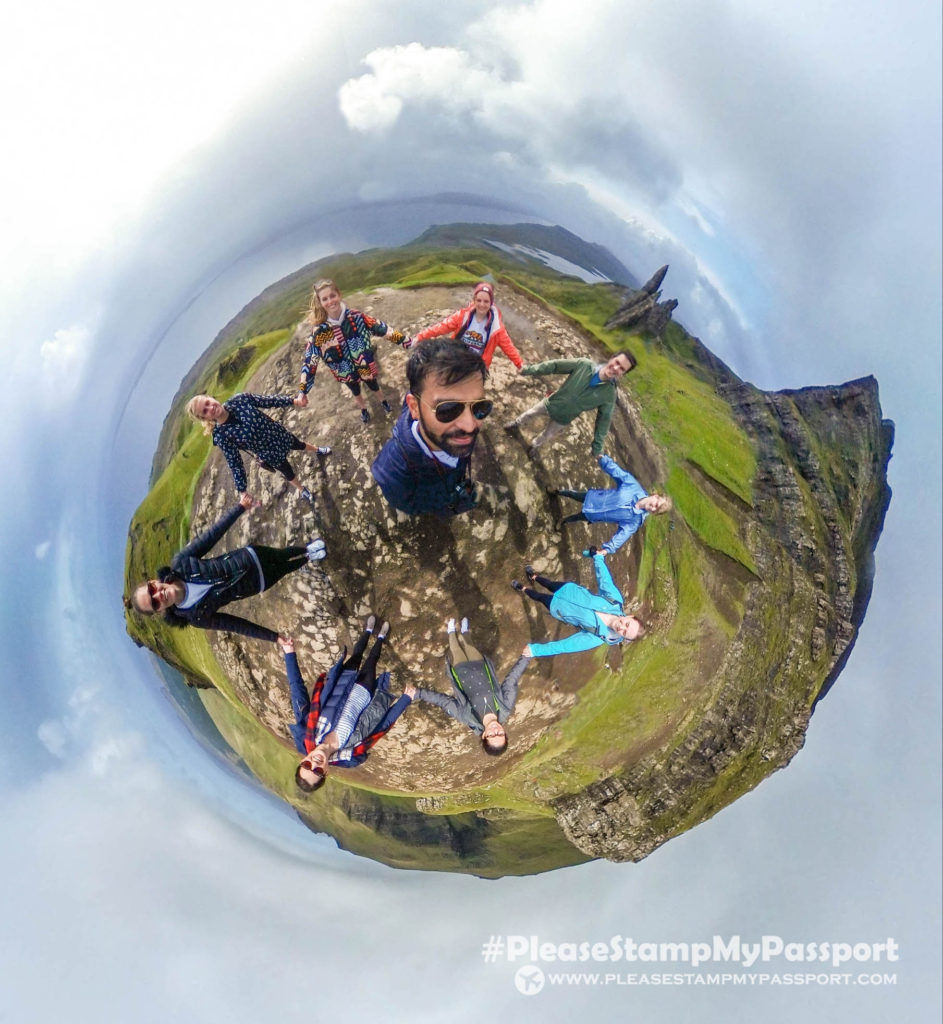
(621, 536)
(447, 326)
(309, 367)
(572, 644)
(610, 466)
(226, 623)
(213, 534)
(503, 341)
(300, 701)
(606, 587)
(603, 419)
(550, 366)
(395, 711)
(512, 681)
(448, 704)
(269, 401)
(233, 458)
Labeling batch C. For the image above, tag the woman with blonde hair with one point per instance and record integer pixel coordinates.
(600, 617)
(238, 425)
(342, 338)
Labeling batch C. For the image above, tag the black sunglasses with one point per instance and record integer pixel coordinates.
(153, 590)
(446, 412)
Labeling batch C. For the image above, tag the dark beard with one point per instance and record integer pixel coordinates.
(442, 441)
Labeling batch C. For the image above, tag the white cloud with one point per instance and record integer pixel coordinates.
(64, 355)
(54, 737)
(42, 549)
(710, 123)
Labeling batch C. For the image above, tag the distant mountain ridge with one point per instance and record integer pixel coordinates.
(555, 240)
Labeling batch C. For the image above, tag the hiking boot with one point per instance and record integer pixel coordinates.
(531, 575)
(516, 585)
(386, 406)
(365, 416)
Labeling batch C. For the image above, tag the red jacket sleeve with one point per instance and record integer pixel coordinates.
(503, 340)
(447, 326)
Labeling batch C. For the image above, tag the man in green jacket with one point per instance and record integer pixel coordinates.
(587, 386)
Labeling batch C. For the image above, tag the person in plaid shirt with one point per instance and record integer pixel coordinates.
(349, 709)
(341, 338)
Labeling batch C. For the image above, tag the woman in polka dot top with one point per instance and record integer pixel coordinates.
(238, 425)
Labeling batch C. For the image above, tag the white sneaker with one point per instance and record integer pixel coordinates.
(450, 626)
(464, 625)
(316, 550)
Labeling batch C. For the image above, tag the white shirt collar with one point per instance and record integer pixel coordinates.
(439, 456)
(337, 322)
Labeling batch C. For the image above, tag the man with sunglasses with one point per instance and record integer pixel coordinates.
(425, 467)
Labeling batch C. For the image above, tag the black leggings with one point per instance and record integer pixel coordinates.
(354, 385)
(279, 562)
(552, 585)
(577, 517)
(367, 675)
(284, 467)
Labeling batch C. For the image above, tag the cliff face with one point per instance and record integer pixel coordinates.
(755, 586)
(820, 497)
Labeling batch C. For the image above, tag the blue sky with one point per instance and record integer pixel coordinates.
(168, 163)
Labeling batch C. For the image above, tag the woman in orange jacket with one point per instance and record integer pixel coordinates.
(479, 327)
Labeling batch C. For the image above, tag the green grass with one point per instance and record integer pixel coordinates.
(161, 523)
(712, 525)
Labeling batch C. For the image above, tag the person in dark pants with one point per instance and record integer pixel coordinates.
(478, 700)
(627, 504)
(238, 425)
(192, 589)
(349, 709)
(342, 339)
(600, 617)
(587, 386)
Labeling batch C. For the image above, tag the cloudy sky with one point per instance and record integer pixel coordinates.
(166, 162)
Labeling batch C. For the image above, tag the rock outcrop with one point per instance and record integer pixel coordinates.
(641, 309)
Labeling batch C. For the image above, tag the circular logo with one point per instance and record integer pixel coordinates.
(529, 980)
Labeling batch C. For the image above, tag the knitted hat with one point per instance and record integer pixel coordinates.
(483, 286)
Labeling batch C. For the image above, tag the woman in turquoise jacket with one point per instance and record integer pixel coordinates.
(600, 617)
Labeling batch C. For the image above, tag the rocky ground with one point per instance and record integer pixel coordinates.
(419, 571)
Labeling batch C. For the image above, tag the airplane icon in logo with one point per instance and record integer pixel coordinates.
(529, 980)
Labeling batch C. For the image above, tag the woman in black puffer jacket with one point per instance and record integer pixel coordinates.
(192, 589)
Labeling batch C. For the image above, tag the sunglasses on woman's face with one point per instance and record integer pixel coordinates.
(447, 412)
(153, 593)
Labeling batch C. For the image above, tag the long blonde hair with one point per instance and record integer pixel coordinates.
(192, 413)
(317, 314)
